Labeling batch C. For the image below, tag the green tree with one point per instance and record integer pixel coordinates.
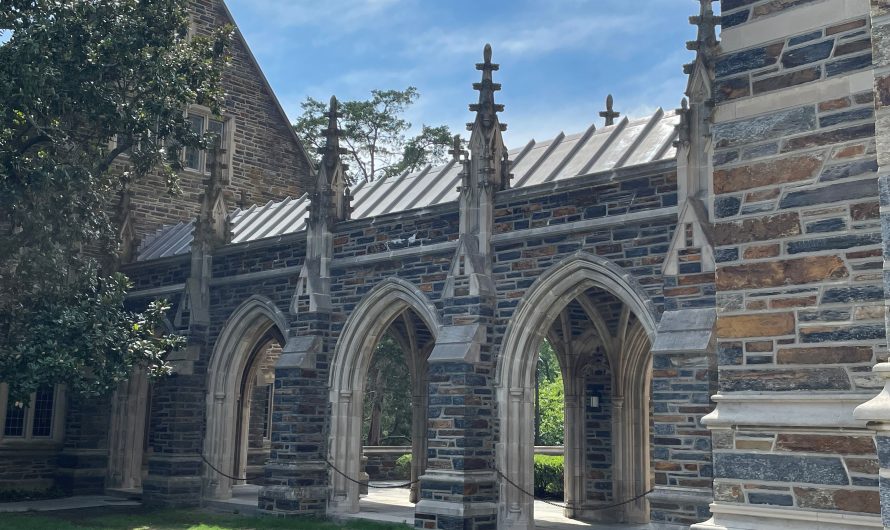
(374, 134)
(82, 83)
(387, 406)
(550, 401)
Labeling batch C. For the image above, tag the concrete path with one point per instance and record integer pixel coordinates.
(385, 505)
(391, 505)
(67, 503)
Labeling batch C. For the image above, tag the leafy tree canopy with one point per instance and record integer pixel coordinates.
(551, 397)
(83, 82)
(387, 406)
(374, 134)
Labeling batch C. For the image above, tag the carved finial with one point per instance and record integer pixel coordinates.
(328, 197)
(705, 42)
(331, 150)
(609, 114)
(683, 132)
(486, 110)
(456, 148)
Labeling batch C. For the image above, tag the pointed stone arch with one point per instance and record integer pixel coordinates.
(543, 302)
(349, 367)
(256, 319)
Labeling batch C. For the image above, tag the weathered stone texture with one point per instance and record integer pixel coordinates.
(257, 173)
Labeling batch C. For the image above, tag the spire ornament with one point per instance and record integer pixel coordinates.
(609, 114)
(330, 196)
(485, 171)
(705, 43)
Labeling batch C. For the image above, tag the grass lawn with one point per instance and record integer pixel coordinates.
(173, 520)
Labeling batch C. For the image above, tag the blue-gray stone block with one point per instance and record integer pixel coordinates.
(828, 194)
(743, 61)
(776, 499)
(800, 39)
(826, 225)
(848, 65)
(781, 468)
(768, 127)
(807, 54)
(852, 169)
(833, 243)
(842, 117)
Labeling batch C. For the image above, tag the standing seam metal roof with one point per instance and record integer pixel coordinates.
(625, 144)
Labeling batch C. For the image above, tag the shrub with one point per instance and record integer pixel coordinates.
(549, 477)
(403, 466)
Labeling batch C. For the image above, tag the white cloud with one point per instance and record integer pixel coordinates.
(524, 36)
(341, 16)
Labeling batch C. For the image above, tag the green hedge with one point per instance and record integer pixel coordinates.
(548, 474)
(549, 477)
(403, 466)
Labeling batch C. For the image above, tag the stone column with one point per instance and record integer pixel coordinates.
(459, 487)
(177, 431)
(127, 432)
(296, 476)
(574, 444)
(877, 411)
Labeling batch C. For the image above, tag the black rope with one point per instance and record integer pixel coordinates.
(368, 484)
(568, 504)
(411, 483)
(245, 479)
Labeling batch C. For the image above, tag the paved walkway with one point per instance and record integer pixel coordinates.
(68, 503)
(385, 505)
(392, 505)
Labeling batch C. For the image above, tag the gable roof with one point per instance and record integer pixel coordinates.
(628, 143)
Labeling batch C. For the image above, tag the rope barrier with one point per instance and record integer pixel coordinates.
(568, 504)
(411, 483)
(368, 484)
(245, 479)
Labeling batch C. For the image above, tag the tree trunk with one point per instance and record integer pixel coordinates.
(375, 426)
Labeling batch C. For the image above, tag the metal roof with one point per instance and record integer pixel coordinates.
(625, 144)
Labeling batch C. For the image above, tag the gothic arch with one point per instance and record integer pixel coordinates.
(237, 343)
(352, 357)
(533, 316)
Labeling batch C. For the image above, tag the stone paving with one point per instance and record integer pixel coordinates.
(385, 505)
(392, 505)
(67, 503)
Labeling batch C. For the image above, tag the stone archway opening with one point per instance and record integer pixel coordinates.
(254, 418)
(240, 367)
(394, 311)
(600, 326)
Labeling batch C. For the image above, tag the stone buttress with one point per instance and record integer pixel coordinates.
(877, 410)
(297, 473)
(799, 293)
(459, 488)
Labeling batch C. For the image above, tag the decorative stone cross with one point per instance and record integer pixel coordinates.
(609, 114)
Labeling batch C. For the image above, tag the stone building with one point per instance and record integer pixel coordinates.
(711, 279)
(66, 442)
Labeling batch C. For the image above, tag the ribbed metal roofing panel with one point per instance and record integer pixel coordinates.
(625, 144)
(168, 241)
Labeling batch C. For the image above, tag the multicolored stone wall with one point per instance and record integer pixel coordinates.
(797, 242)
(257, 173)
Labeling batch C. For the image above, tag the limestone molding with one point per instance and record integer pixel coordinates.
(515, 380)
(240, 337)
(366, 325)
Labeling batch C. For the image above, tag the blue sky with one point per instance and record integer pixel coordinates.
(559, 58)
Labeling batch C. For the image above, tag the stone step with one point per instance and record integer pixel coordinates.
(134, 494)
